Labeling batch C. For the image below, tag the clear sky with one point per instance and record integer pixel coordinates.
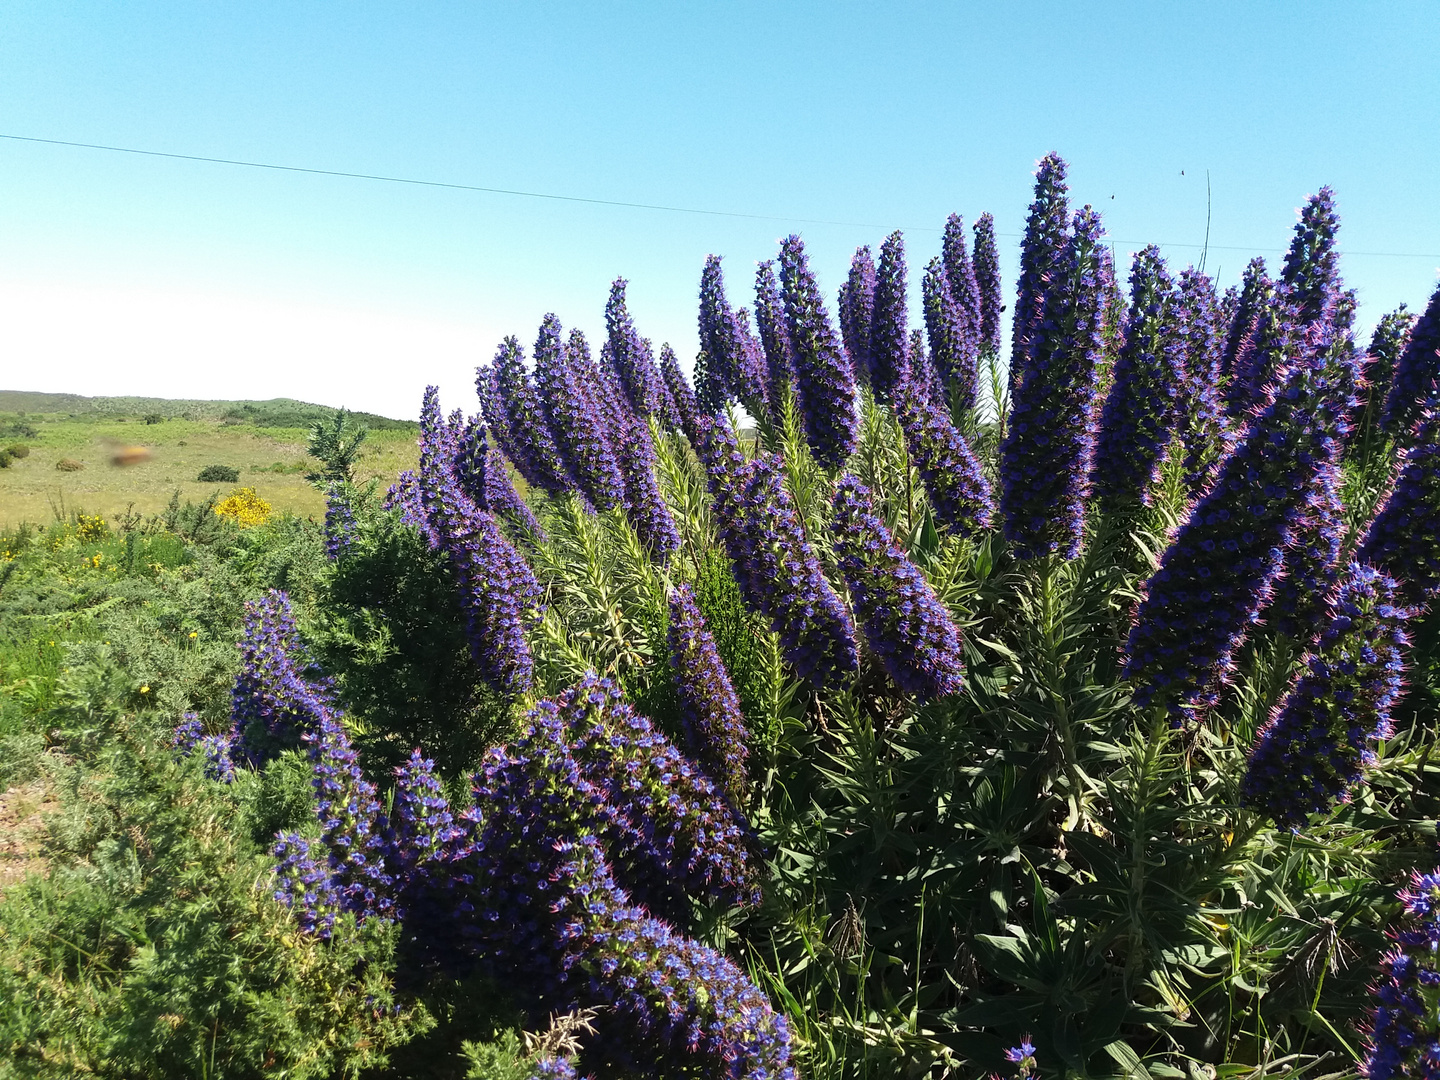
(126, 274)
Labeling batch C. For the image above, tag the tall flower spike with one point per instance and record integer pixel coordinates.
(945, 326)
(498, 593)
(906, 624)
(1141, 411)
(857, 313)
(1315, 746)
(279, 693)
(424, 828)
(965, 291)
(1311, 272)
(959, 493)
(485, 480)
(1416, 389)
(1205, 427)
(1312, 562)
(529, 432)
(921, 370)
(1404, 538)
(1255, 292)
(1047, 233)
(775, 566)
(754, 376)
(1387, 345)
(1220, 570)
(731, 372)
(987, 282)
(686, 405)
(889, 332)
(639, 381)
(575, 420)
(1405, 1028)
(824, 378)
(339, 522)
(774, 334)
(492, 408)
(645, 507)
(715, 731)
(1046, 456)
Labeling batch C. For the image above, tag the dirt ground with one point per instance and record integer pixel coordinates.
(23, 809)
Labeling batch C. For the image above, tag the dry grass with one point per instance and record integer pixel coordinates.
(32, 488)
(23, 810)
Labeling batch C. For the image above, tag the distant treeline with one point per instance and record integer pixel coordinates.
(276, 412)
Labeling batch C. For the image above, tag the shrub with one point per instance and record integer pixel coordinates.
(18, 450)
(245, 506)
(5, 458)
(219, 474)
(69, 465)
(154, 418)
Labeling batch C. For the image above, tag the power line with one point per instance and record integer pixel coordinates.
(554, 197)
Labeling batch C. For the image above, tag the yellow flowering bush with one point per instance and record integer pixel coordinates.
(91, 528)
(246, 507)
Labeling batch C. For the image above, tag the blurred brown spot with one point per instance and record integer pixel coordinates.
(130, 455)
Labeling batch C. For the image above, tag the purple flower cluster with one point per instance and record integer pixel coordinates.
(715, 731)
(1404, 1037)
(552, 1068)
(190, 738)
(1387, 345)
(1404, 538)
(1047, 237)
(278, 694)
(1256, 292)
(1315, 746)
(575, 419)
(774, 334)
(498, 593)
(424, 828)
(964, 286)
(1220, 570)
(687, 406)
(1205, 426)
(1046, 456)
(1416, 388)
(824, 377)
(303, 883)
(1142, 409)
(1312, 561)
(531, 446)
(905, 623)
(645, 507)
(921, 374)
(856, 310)
(353, 829)
(987, 282)
(484, 478)
(1311, 274)
(733, 367)
(404, 496)
(774, 564)
(339, 522)
(950, 338)
(959, 493)
(631, 359)
(889, 332)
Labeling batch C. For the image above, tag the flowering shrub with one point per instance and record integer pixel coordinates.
(245, 507)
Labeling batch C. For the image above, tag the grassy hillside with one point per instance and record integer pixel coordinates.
(264, 440)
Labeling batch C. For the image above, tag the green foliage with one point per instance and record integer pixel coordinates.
(336, 445)
(219, 474)
(6, 457)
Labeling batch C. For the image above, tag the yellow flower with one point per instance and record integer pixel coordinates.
(246, 507)
(144, 689)
(192, 633)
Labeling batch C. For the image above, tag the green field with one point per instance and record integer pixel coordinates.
(265, 441)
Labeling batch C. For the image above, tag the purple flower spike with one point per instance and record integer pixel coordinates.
(537, 457)
(959, 493)
(339, 522)
(1047, 234)
(1316, 745)
(498, 593)
(730, 364)
(1311, 274)
(889, 332)
(1256, 290)
(715, 731)
(906, 624)
(304, 884)
(404, 496)
(687, 407)
(575, 420)
(1404, 1037)
(552, 1068)
(1142, 409)
(775, 565)
(1404, 538)
(1416, 389)
(1387, 345)
(279, 693)
(857, 313)
(824, 378)
(484, 478)
(950, 338)
(774, 334)
(190, 738)
(921, 371)
(640, 381)
(1220, 570)
(1046, 456)
(645, 507)
(987, 282)
(1204, 426)
(963, 285)
(1312, 562)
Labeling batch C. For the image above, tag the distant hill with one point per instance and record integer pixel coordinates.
(277, 412)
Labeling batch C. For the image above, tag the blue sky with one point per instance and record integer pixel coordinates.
(123, 274)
